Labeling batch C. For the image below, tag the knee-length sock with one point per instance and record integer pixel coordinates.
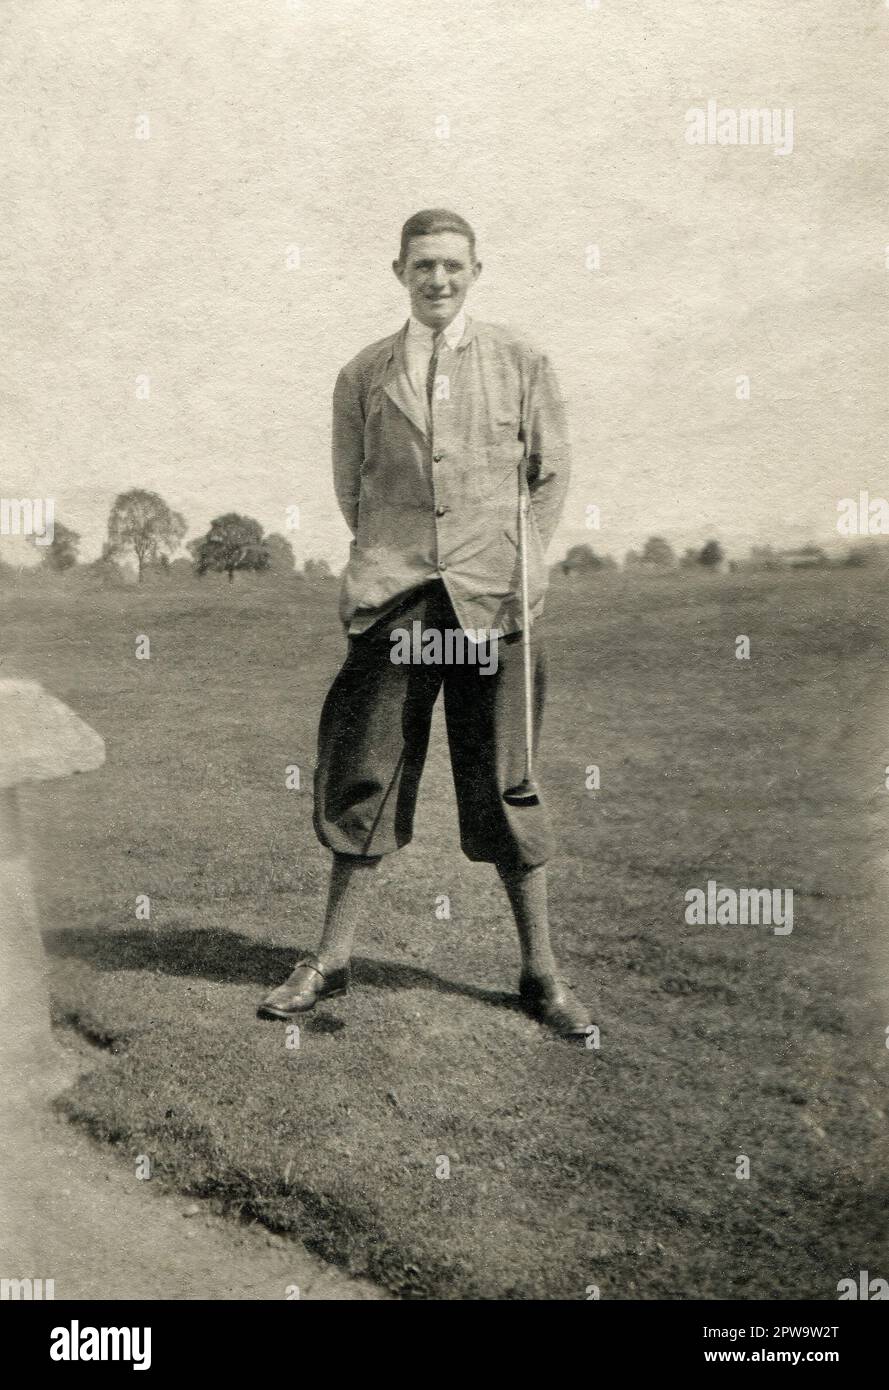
(349, 899)
(526, 889)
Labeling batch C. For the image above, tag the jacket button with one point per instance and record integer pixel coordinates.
(437, 458)
(442, 566)
(440, 511)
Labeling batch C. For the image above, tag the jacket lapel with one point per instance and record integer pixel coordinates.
(397, 386)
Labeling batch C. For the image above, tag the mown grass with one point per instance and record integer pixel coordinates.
(568, 1168)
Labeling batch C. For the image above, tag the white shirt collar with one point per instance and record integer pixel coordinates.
(452, 334)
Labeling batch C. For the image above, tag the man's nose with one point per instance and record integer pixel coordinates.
(439, 276)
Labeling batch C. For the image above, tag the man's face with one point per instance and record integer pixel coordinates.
(437, 274)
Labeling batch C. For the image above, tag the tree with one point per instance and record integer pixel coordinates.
(281, 556)
(143, 523)
(765, 557)
(712, 555)
(182, 570)
(580, 558)
(317, 569)
(61, 553)
(158, 571)
(232, 543)
(808, 556)
(104, 571)
(657, 551)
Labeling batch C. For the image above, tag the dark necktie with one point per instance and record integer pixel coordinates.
(433, 366)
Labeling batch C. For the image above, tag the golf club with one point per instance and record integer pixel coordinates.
(525, 793)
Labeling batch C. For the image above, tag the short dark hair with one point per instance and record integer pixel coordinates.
(432, 220)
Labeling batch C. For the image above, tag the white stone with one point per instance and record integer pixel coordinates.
(40, 738)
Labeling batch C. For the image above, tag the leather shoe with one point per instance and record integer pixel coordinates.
(308, 983)
(550, 1001)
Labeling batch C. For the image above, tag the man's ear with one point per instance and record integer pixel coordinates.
(476, 270)
(398, 271)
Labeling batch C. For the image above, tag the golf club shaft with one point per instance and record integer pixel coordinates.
(524, 502)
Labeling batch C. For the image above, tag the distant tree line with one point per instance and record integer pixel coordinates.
(144, 533)
(658, 556)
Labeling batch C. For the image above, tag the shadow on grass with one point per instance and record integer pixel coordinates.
(231, 958)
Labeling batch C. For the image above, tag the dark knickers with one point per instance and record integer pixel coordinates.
(375, 731)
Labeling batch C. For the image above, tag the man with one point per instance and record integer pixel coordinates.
(431, 427)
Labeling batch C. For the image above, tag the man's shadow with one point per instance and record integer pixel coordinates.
(230, 958)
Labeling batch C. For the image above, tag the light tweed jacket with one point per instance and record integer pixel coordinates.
(425, 502)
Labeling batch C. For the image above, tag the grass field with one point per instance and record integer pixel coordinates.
(569, 1168)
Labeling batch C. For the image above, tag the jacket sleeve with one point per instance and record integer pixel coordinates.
(347, 439)
(547, 451)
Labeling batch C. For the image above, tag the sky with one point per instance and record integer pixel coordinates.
(554, 126)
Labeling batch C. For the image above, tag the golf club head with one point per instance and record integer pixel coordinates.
(525, 794)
